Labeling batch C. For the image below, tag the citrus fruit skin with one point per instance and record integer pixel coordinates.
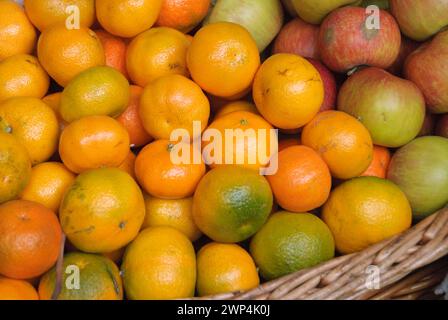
(276, 93)
(15, 167)
(380, 163)
(303, 180)
(102, 211)
(159, 264)
(115, 51)
(11, 289)
(235, 106)
(161, 178)
(33, 123)
(289, 242)
(175, 213)
(127, 18)
(30, 238)
(45, 13)
(17, 34)
(47, 185)
(231, 204)
(129, 164)
(131, 120)
(93, 142)
(248, 146)
(22, 75)
(96, 91)
(155, 53)
(65, 53)
(99, 279)
(342, 141)
(225, 268)
(223, 59)
(366, 210)
(182, 15)
(173, 102)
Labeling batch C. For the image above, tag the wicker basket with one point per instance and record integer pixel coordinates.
(410, 266)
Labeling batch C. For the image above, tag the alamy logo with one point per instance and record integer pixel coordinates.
(72, 281)
(73, 21)
(373, 21)
(235, 147)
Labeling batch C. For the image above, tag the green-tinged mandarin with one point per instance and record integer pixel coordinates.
(366, 210)
(159, 264)
(15, 167)
(231, 204)
(85, 277)
(95, 91)
(289, 242)
(102, 211)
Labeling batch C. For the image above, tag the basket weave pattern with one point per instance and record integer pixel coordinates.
(345, 277)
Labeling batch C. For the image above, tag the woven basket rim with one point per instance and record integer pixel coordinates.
(345, 277)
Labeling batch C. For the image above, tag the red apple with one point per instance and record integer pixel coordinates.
(348, 40)
(427, 67)
(329, 85)
(298, 37)
(442, 126)
(391, 108)
(420, 19)
(407, 47)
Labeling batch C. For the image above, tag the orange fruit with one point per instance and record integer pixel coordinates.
(33, 123)
(131, 120)
(248, 146)
(102, 211)
(22, 76)
(380, 163)
(364, 211)
(65, 53)
(342, 141)
(183, 15)
(45, 13)
(159, 264)
(15, 167)
(129, 164)
(288, 91)
(223, 59)
(289, 242)
(94, 92)
(127, 18)
(11, 289)
(284, 143)
(17, 34)
(54, 102)
(47, 185)
(175, 213)
(173, 102)
(234, 106)
(161, 177)
(30, 238)
(231, 204)
(115, 51)
(302, 182)
(93, 142)
(99, 279)
(155, 53)
(224, 268)
(116, 256)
